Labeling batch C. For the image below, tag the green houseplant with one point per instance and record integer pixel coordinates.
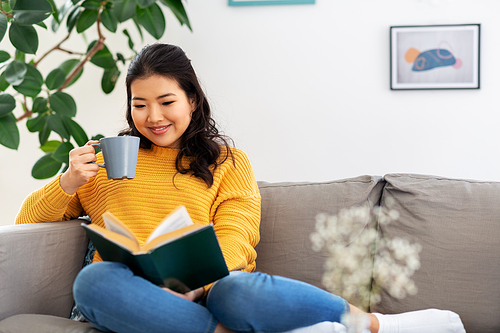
(42, 102)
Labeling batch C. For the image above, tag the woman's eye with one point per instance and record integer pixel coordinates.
(139, 106)
(167, 103)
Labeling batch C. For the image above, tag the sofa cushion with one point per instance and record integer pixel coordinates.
(289, 216)
(43, 324)
(457, 222)
(38, 264)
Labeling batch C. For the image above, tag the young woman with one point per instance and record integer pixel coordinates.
(183, 160)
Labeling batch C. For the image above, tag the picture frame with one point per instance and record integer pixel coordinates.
(268, 2)
(435, 57)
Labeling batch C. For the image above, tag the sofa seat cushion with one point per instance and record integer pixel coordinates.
(24, 323)
(457, 222)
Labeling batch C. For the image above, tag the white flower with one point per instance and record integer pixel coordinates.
(354, 246)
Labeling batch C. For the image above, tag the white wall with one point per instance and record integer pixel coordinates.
(304, 90)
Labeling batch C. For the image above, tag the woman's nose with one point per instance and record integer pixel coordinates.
(155, 114)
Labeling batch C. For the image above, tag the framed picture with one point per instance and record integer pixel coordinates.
(435, 57)
(268, 2)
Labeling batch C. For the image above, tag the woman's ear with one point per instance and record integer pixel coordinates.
(192, 102)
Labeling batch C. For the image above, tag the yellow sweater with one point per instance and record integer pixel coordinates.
(232, 204)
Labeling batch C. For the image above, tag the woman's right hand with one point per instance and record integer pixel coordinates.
(80, 169)
(193, 295)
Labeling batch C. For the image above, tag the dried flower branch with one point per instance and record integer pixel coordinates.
(360, 262)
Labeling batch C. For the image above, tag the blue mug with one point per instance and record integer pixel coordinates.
(120, 156)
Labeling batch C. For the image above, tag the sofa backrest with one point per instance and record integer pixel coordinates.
(38, 267)
(457, 222)
(289, 216)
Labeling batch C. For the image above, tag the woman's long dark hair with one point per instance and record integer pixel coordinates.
(201, 140)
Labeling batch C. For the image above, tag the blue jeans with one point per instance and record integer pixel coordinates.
(113, 299)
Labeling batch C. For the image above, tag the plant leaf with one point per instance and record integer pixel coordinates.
(109, 20)
(36, 124)
(19, 55)
(73, 18)
(28, 12)
(68, 66)
(41, 24)
(109, 78)
(61, 13)
(15, 72)
(55, 79)
(7, 104)
(3, 26)
(45, 167)
(32, 83)
(124, 9)
(153, 20)
(9, 133)
(3, 82)
(4, 56)
(62, 152)
(145, 3)
(130, 42)
(6, 6)
(53, 6)
(24, 38)
(63, 104)
(50, 146)
(138, 26)
(55, 11)
(55, 123)
(44, 134)
(76, 131)
(39, 105)
(179, 11)
(103, 58)
(120, 57)
(91, 4)
(86, 19)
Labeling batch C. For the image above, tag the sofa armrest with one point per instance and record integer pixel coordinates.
(38, 264)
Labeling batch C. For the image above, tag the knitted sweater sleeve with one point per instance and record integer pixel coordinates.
(49, 204)
(236, 214)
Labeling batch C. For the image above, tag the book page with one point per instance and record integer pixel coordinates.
(172, 236)
(178, 219)
(113, 224)
(118, 239)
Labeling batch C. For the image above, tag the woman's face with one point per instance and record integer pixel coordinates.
(160, 110)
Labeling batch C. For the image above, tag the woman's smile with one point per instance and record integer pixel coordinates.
(158, 130)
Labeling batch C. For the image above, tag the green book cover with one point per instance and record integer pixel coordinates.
(186, 259)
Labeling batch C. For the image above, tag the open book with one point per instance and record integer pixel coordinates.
(179, 254)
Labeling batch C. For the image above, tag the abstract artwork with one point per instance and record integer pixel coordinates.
(435, 57)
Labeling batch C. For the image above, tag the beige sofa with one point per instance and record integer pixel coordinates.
(457, 222)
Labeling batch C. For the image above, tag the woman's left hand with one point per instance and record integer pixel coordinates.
(193, 295)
